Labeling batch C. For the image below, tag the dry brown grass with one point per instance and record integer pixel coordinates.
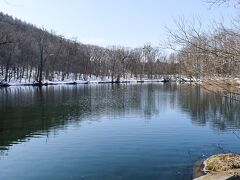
(222, 162)
(222, 87)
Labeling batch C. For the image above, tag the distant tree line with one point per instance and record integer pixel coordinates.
(33, 53)
(28, 52)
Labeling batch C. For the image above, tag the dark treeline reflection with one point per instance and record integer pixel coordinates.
(28, 111)
(220, 112)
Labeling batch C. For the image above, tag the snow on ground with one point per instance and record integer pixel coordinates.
(83, 79)
(237, 80)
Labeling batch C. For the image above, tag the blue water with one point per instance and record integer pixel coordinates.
(132, 131)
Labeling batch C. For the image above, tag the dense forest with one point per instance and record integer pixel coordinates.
(34, 54)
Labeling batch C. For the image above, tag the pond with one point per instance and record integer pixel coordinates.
(126, 131)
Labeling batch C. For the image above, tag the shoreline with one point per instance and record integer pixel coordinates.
(218, 85)
(49, 83)
(225, 87)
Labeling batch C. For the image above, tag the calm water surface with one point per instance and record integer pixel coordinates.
(108, 132)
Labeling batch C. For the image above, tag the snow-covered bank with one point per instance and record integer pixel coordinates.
(73, 79)
(82, 79)
(46, 83)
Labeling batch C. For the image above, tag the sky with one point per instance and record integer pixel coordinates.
(130, 23)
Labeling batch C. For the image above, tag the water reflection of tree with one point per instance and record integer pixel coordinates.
(25, 111)
(204, 107)
(29, 110)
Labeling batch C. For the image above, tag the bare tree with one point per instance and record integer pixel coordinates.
(33, 54)
(234, 3)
